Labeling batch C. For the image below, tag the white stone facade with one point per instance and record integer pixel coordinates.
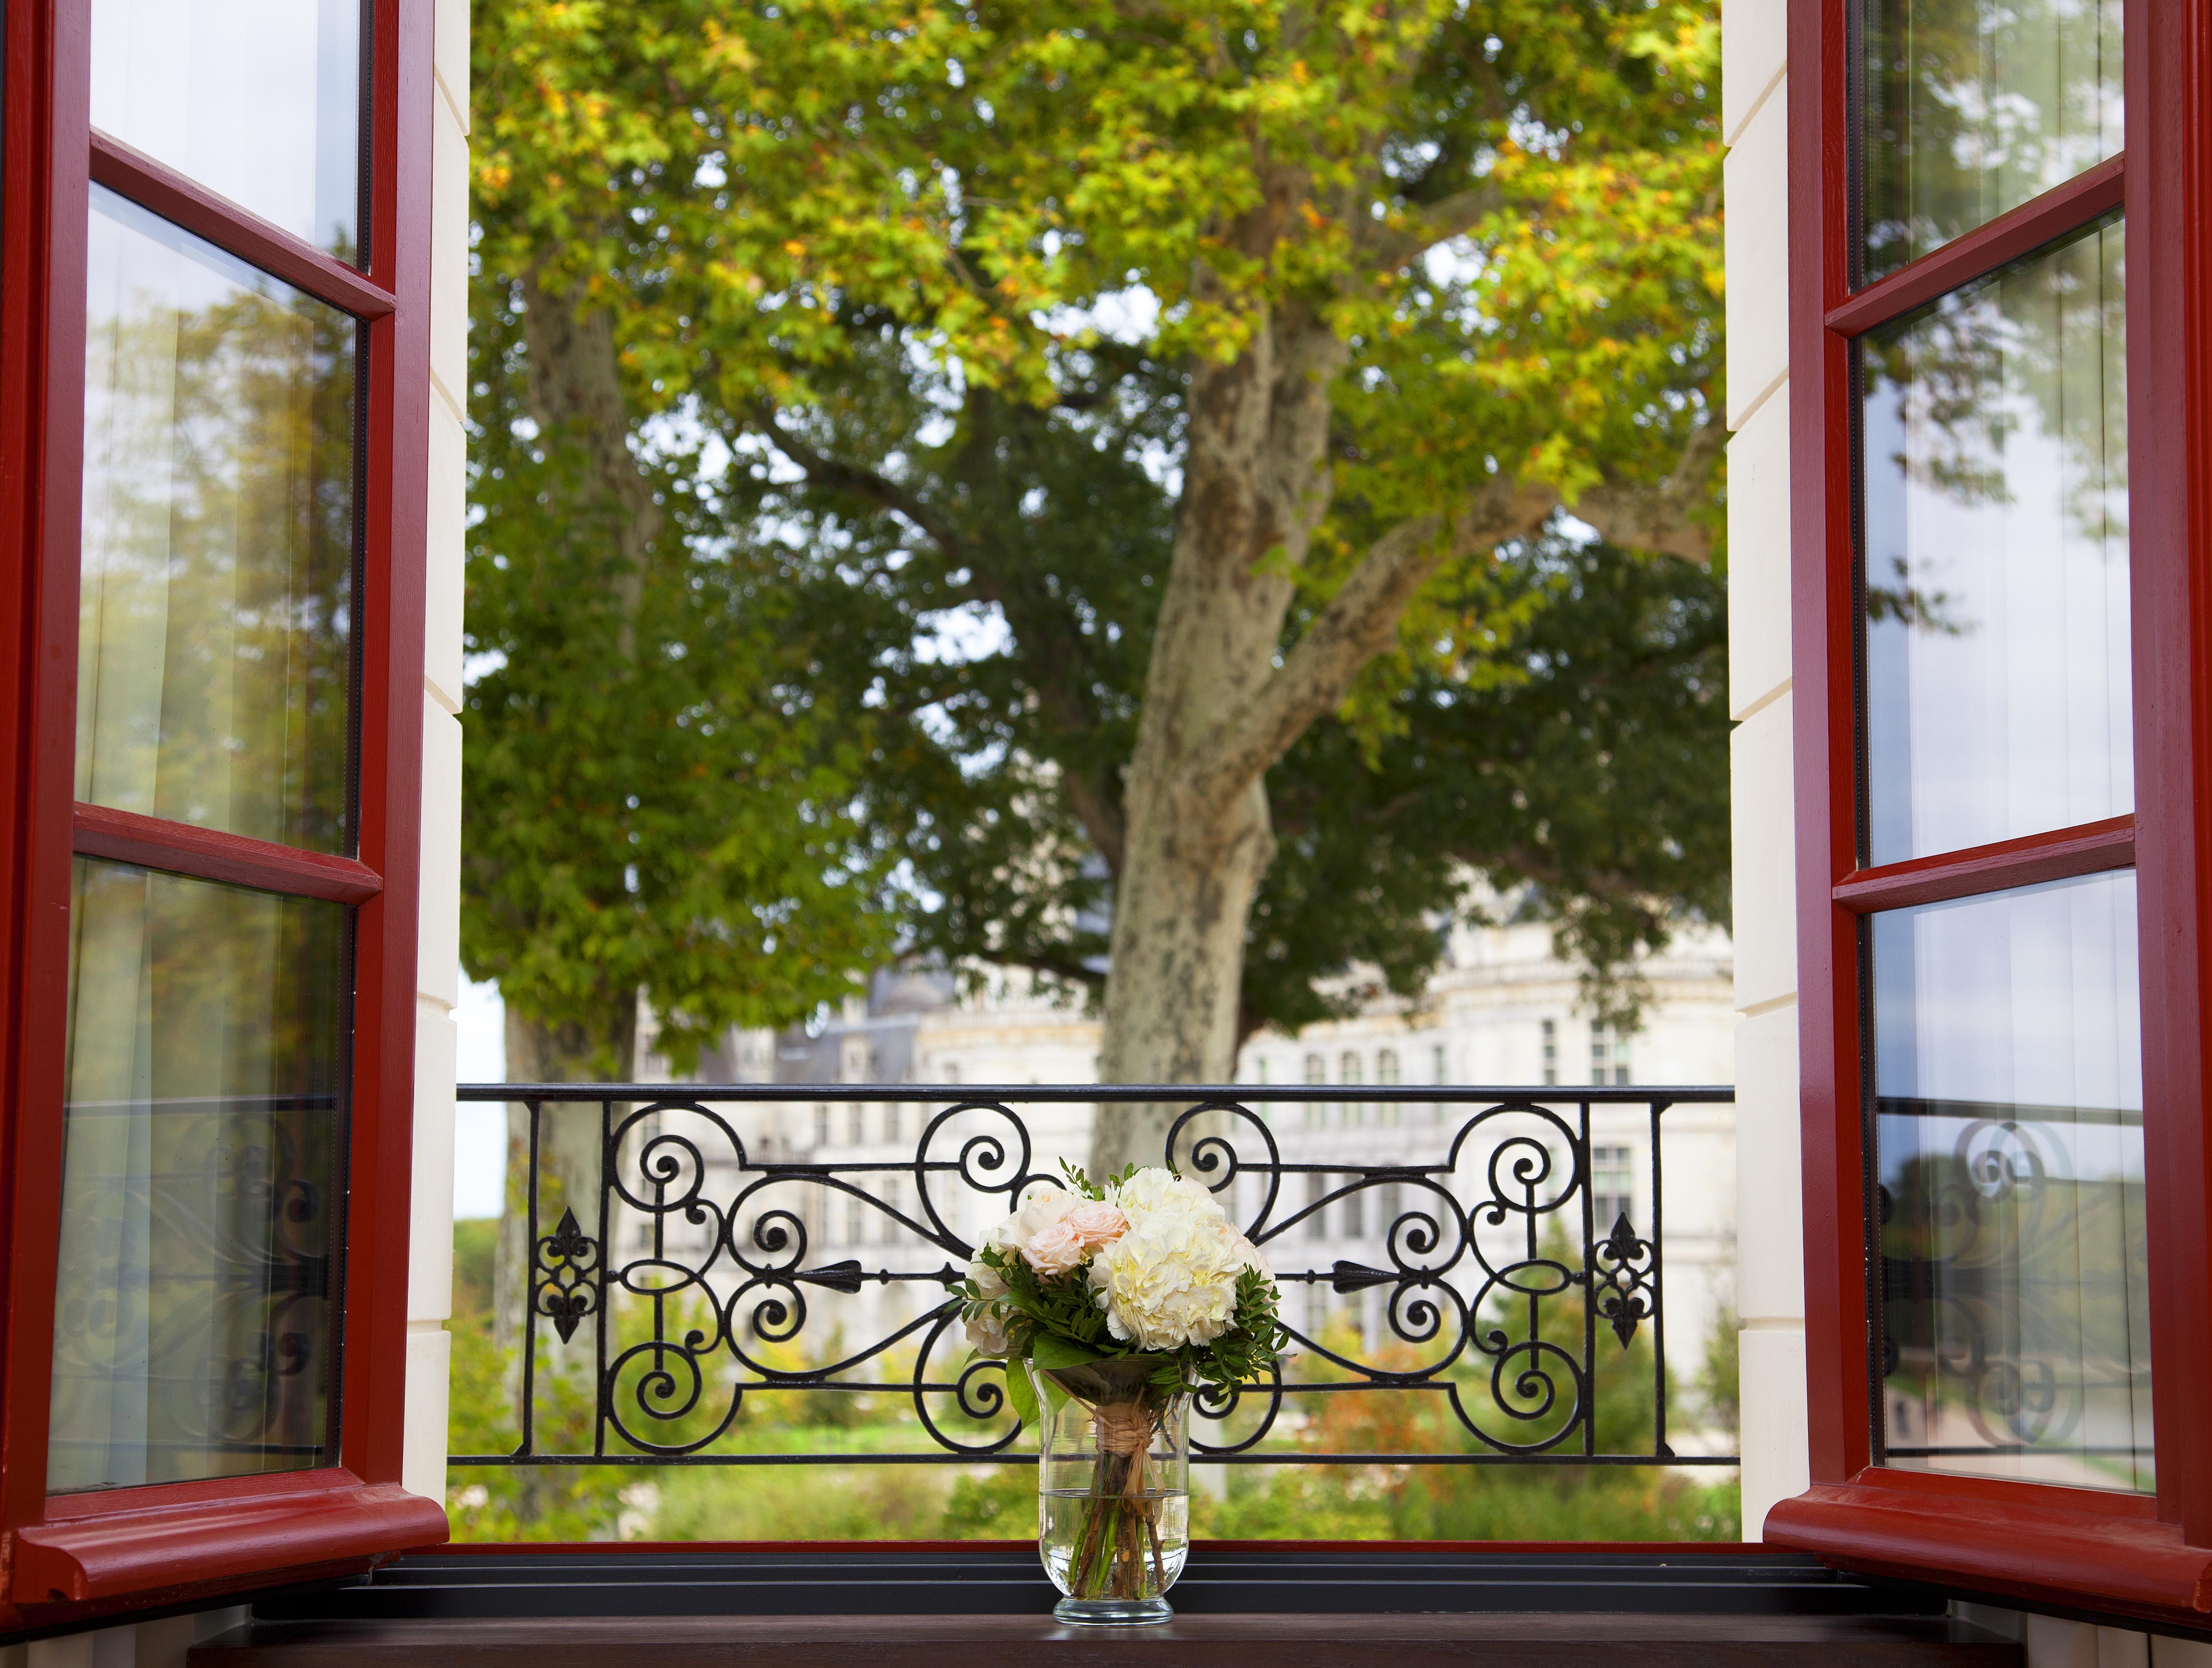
(430, 1272)
(1770, 1270)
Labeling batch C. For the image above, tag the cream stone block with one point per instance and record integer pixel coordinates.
(449, 52)
(102, 1648)
(2053, 1643)
(438, 942)
(1770, 1203)
(430, 1230)
(1758, 558)
(2123, 1647)
(449, 259)
(1763, 820)
(1756, 177)
(1754, 47)
(2179, 1653)
(165, 1643)
(1776, 1465)
(445, 556)
(423, 1445)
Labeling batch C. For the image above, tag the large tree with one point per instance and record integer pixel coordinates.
(1412, 279)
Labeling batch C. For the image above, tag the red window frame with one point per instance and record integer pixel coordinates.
(68, 1556)
(2138, 1555)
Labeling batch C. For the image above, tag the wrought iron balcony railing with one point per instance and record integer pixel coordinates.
(698, 1252)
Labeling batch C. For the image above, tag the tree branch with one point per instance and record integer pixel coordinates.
(862, 484)
(1437, 222)
(1659, 518)
(1359, 623)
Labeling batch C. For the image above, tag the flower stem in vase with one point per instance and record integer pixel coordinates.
(1118, 1554)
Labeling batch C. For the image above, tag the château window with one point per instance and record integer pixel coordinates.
(1608, 1054)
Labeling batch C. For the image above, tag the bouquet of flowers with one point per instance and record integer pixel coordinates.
(1119, 1299)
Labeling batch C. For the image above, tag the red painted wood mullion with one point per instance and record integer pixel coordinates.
(49, 92)
(2169, 255)
(381, 1177)
(210, 854)
(1982, 251)
(1822, 651)
(200, 211)
(2028, 861)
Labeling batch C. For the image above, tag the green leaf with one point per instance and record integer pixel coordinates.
(1051, 1352)
(1021, 1394)
(1055, 1394)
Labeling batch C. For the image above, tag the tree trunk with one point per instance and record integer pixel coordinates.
(576, 397)
(1256, 485)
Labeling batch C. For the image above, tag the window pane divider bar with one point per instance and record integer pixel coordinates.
(2087, 849)
(222, 223)
(1984, 250)
(178, 848)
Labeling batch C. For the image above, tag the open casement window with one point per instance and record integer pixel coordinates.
(213, 354)
(2001, 419)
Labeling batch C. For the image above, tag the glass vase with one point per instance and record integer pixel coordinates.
(1113, 1489)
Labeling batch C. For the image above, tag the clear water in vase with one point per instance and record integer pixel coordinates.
(1122, 1547)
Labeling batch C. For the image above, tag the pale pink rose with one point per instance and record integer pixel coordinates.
(1056, 1250)
(1098, 1223)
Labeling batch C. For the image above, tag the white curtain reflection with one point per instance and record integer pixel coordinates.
(257, 99)
(1996, 550)
(1974, 107)
(192, 1320)
(214, 669)
(2008, 1101)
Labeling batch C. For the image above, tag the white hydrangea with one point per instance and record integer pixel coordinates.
(1150, 1193)
(1171, 1279)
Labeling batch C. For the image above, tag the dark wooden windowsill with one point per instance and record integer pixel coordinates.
(983, 1605)
(1213, 1641)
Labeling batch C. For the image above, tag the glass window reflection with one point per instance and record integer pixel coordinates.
(2008, 1135)
(214, 666)
(193, 1323)
(1995, 546)
(1970, 107)
(257, 99)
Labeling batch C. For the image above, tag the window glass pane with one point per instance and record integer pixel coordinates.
(193, 1322)
(1995, 539)
(1970, 107)
(2008, 1133)
(214, 666)
(257, 99)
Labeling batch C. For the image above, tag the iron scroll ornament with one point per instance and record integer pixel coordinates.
(711, 1284)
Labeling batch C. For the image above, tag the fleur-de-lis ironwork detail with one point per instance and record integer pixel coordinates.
(567, 1258)
(1620, 1271)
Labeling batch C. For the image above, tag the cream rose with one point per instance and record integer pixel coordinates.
(987, 1332)
(987, 1280)
(1056, 1250)
(1040, 1211)
(1098, 1223)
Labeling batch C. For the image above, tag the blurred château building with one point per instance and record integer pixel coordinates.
(1502, 1010)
